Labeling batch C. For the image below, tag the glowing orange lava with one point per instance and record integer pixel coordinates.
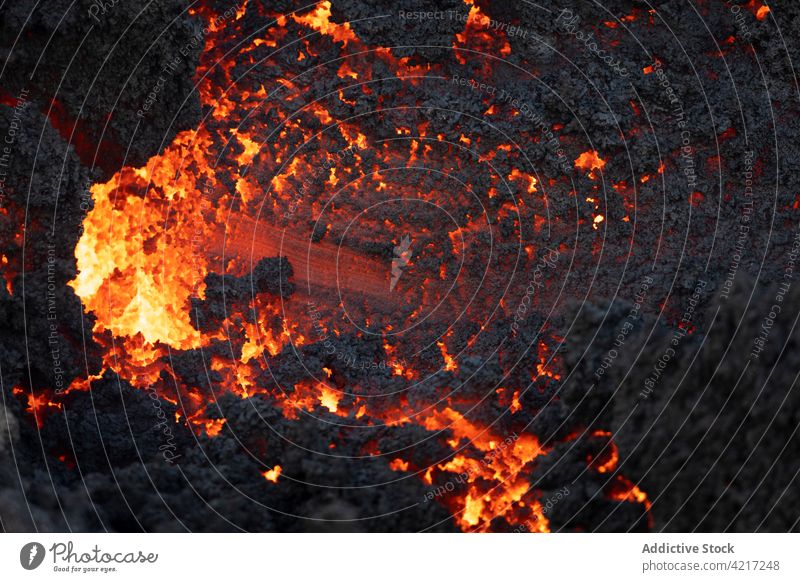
(157, 232)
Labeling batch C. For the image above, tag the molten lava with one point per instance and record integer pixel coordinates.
(245, 186)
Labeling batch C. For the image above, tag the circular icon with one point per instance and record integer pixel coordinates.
(31, 555)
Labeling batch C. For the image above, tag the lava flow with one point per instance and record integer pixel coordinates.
(383, 250)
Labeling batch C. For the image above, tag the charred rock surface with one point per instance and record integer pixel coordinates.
(94, 66)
